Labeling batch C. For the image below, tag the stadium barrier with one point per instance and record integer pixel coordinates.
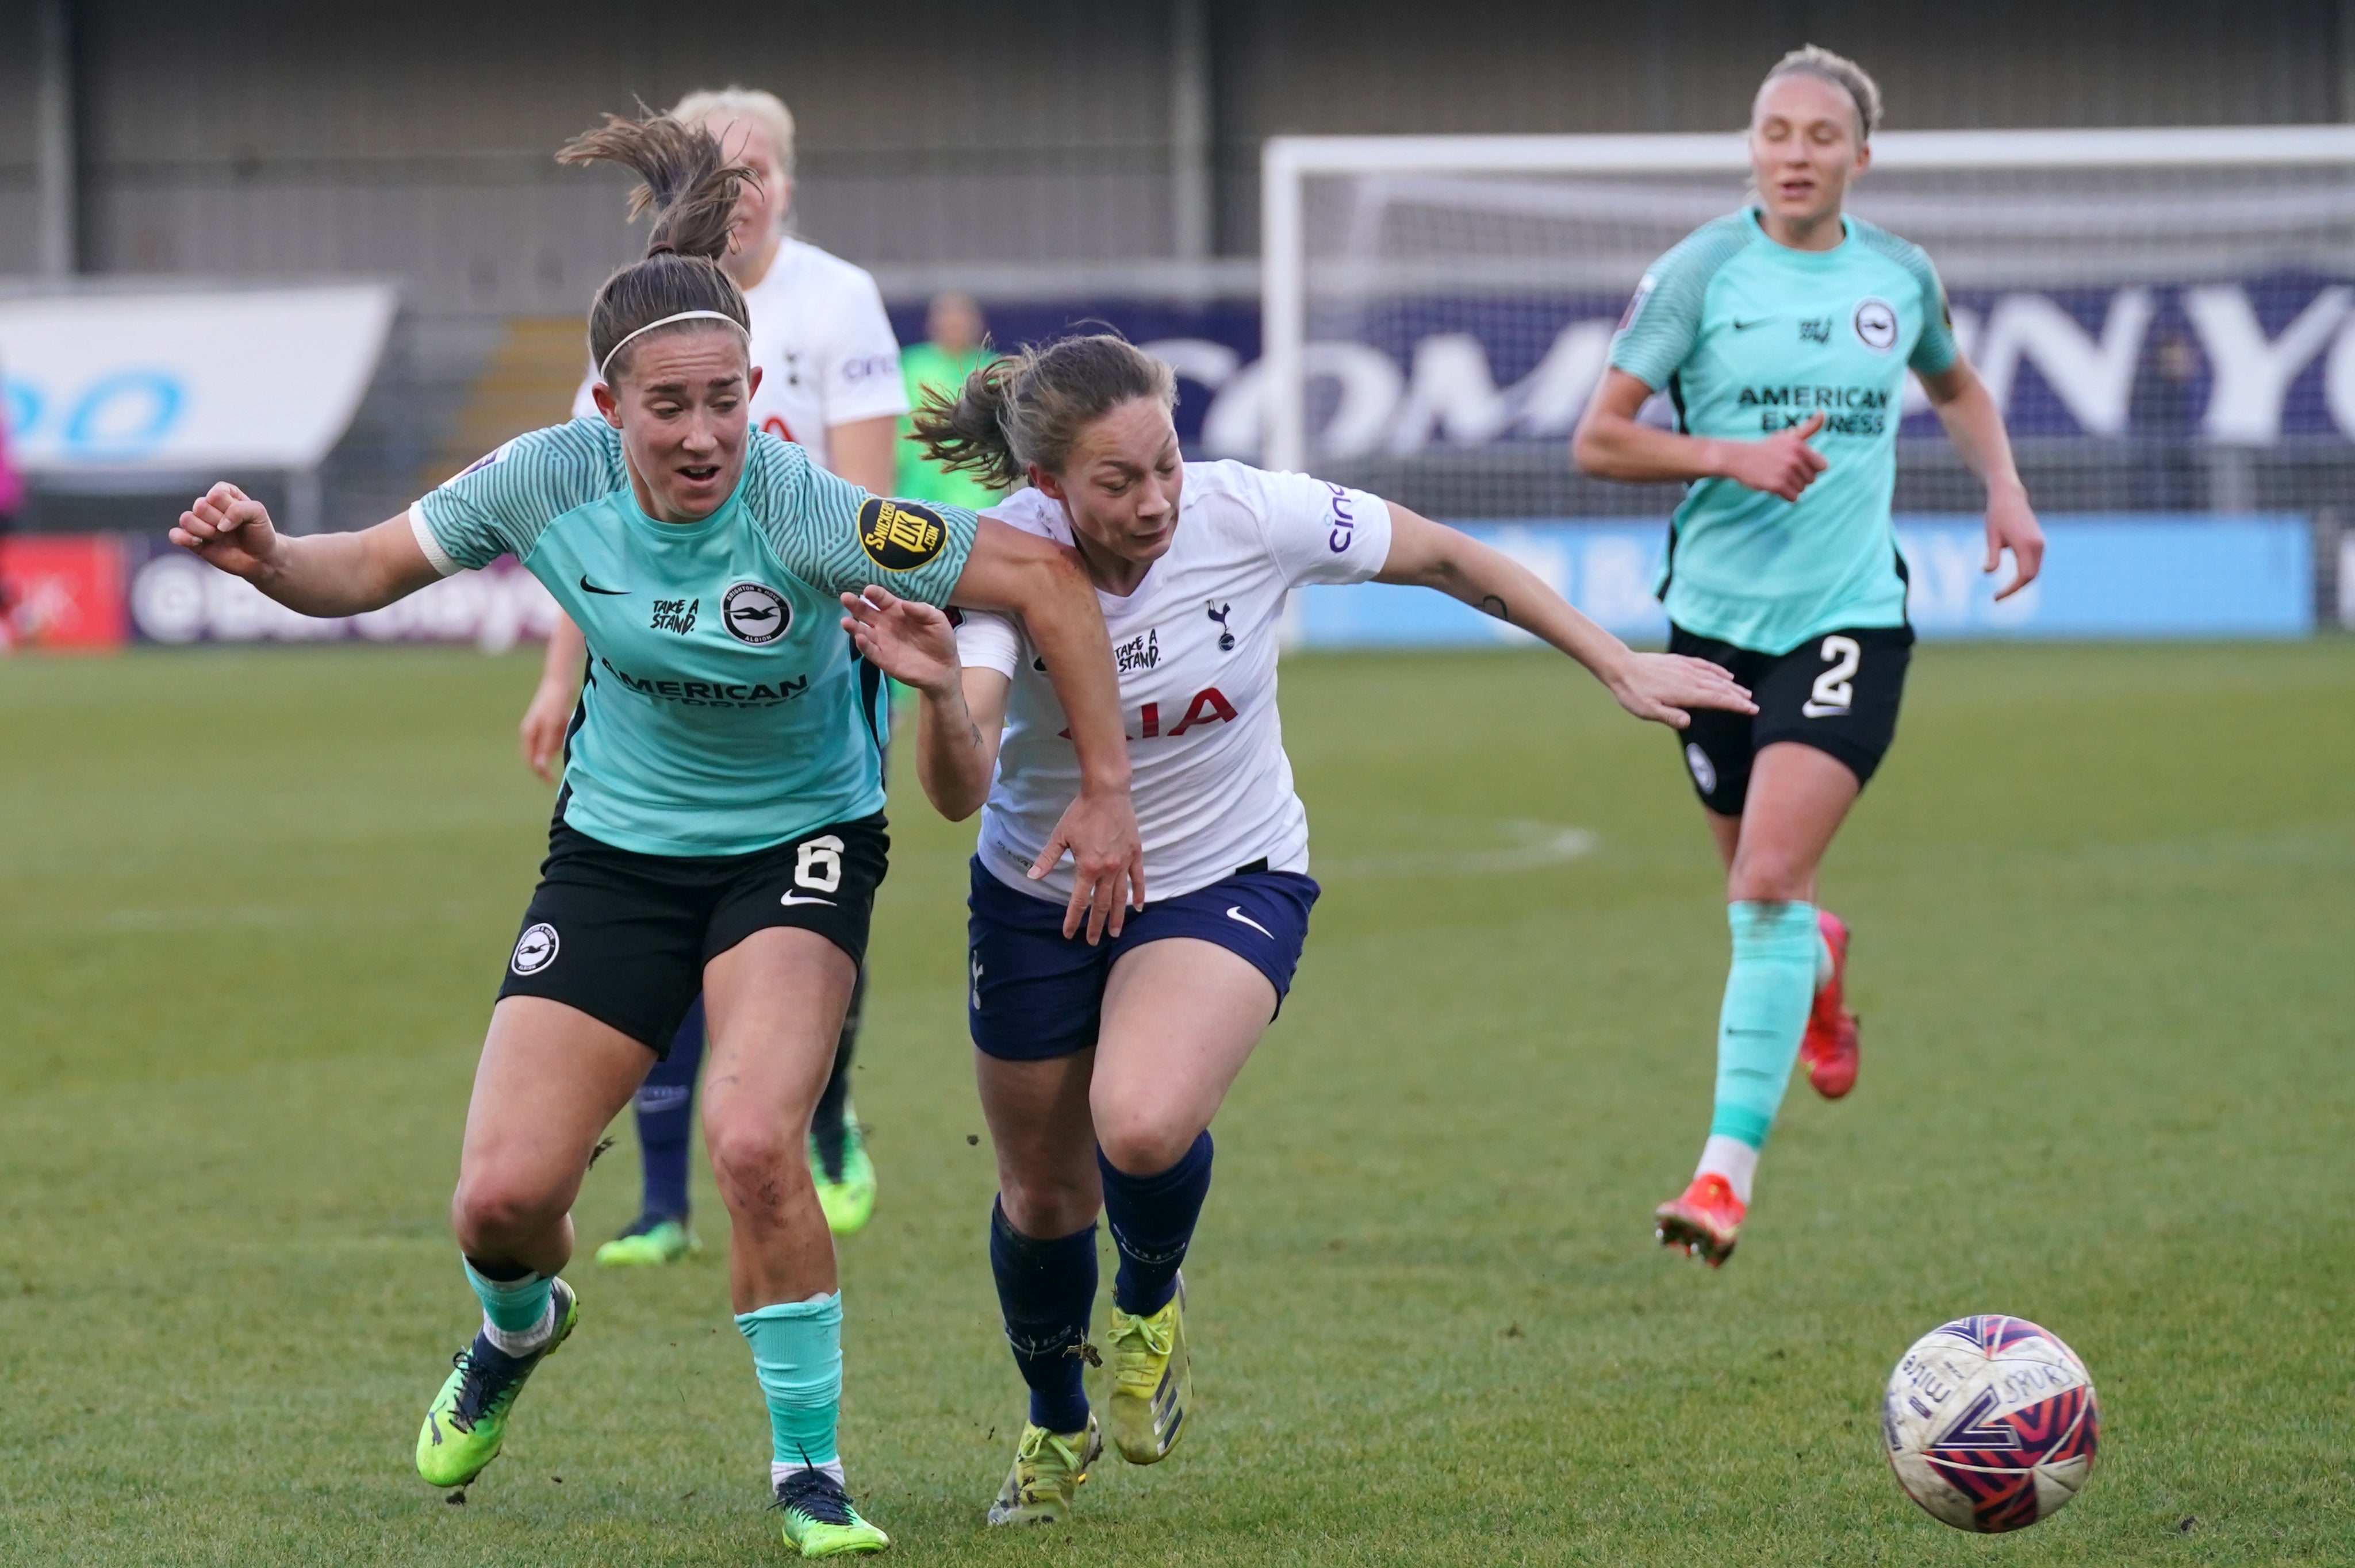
(2190, 575)
(89, 592)
(2155, 575)
(175, 600)
(64, 590)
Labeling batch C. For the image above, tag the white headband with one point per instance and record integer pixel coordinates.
(681, 316)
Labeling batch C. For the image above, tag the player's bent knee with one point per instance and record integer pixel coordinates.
(753, 1159)
(488, 1212)
(1767, 877)
(1048, 1207)
(1138, 1144)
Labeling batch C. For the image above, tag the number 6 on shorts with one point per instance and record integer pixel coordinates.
(820, 865)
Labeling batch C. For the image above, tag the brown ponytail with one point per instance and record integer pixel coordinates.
(1030, 408)
(688, 183)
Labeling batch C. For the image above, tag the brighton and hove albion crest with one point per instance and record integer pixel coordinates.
(755, 613)
(535, 949)
(1876, 324)
(900, 535)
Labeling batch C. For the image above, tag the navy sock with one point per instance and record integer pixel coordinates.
(666, 1106)
(1152, 1220)
(826, 1123)
(1047, 1288)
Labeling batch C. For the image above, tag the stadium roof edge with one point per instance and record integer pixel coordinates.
(1148, 278)
(2170, 147)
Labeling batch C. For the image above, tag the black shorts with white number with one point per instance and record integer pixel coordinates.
(623, 937)
(1838, 693)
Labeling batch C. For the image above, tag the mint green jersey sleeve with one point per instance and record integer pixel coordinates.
(1663, 321)
(500, 504)
(839, 538)
(1935, 349)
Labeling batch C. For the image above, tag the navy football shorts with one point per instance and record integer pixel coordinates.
(1036, 994)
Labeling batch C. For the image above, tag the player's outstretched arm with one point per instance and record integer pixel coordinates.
(1611, 443)
(1044, 583)
(1657, 686)
(317, 574)
(549, 713)
(1975, 425)
(961, 709)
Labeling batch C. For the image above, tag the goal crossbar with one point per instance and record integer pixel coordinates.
(1287, 161)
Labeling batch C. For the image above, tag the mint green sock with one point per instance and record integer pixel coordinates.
(1767, 995)
(511, 1306)
(797, 1355)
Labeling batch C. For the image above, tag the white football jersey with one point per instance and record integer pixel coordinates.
(825, 346)
(1195, 647)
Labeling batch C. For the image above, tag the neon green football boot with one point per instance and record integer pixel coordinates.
(468, 1419)
(1048, 1467)
(650, 1241)
(1152, 1380)
(847, 1195)
(819, 1518)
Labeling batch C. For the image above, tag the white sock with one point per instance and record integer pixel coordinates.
(523, 1342)
(1823, 962)
(1731, 1158)
(780, 1468)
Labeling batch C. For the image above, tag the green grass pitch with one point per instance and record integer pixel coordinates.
(252, 907)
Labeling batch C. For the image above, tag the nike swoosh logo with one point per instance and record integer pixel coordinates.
(797, 898)
(1740, 326)
(1235, 912)
(592, 587)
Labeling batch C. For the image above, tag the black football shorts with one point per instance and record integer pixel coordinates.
(623, 937)
(1838, 693)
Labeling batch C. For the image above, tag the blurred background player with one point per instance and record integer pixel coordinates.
(956, 344)
(727, 841)
(830, 380)
(1783, 332)
(1101, 1067)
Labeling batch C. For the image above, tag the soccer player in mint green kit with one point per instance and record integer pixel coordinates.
(956, 344)
(1782, 334)
(830, 382)
(720, 827)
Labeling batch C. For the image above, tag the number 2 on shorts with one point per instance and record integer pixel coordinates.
(1834, 690)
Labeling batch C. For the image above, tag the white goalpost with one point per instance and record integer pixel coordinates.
(1440, 306)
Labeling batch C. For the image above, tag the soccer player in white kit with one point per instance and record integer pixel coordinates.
(830, 380)
(1101, 1066)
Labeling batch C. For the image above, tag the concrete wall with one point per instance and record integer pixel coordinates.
(273, 137)
(19, 238)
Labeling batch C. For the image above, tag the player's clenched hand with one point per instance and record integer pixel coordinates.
(909, 640)
(1107, 856)
(1783, 464)
(2012, 525)
(228, 529)
(1661, 686)
(542, 730)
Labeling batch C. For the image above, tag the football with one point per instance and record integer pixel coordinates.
(1991, 1424)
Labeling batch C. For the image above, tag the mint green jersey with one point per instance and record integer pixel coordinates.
(1750, 337)
(725, 711)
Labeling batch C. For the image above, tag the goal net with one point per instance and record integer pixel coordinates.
(2167, 317)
